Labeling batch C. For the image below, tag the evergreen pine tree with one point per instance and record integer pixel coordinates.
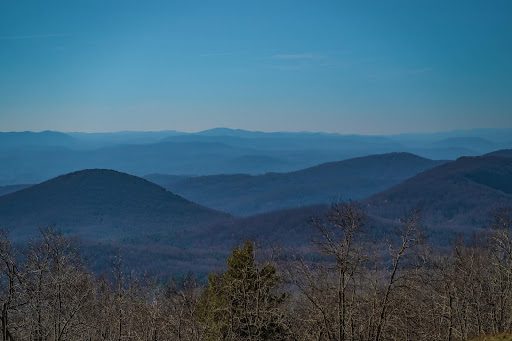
(242, 303)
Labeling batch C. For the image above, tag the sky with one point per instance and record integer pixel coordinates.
(367, 67)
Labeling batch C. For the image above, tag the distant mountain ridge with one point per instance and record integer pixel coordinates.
(29, 157)
(242, 194)
(34, 139)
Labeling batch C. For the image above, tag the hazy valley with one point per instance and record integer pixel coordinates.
(184, 220)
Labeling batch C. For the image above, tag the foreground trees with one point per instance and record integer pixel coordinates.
(243, 303)
(357, 288)
(359, 294)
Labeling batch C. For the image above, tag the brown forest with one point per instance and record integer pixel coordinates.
(350, 288)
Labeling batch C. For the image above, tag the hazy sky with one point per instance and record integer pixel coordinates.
(352, 67)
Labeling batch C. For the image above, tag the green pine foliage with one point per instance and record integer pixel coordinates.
(243, 303)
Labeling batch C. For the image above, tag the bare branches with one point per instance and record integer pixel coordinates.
(409, 238)
(347, 288)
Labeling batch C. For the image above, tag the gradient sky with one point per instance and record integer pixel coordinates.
(339, 66)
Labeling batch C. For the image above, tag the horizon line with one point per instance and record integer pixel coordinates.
(257, 131)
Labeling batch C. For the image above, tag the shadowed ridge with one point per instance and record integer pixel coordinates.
(12, 188)
(102, 203)
(457, 194)
(355, 178)
(501, 153)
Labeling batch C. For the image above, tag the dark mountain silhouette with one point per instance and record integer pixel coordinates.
(459, 194)
(103, 204)
(350, 179)
(11, 188)
(501, 153)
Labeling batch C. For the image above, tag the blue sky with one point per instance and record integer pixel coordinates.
(374, 67)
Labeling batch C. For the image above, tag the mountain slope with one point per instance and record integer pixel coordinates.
(11, 189)
(459, 194)
(349, 179)
(102, 204)
(501, 153)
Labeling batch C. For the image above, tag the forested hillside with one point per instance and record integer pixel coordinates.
(353, 179)
(355, 288)
(103, 205)
(454, 195)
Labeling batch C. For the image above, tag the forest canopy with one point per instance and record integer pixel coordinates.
(396, 288)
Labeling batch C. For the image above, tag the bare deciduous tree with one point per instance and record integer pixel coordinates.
(348, 287)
